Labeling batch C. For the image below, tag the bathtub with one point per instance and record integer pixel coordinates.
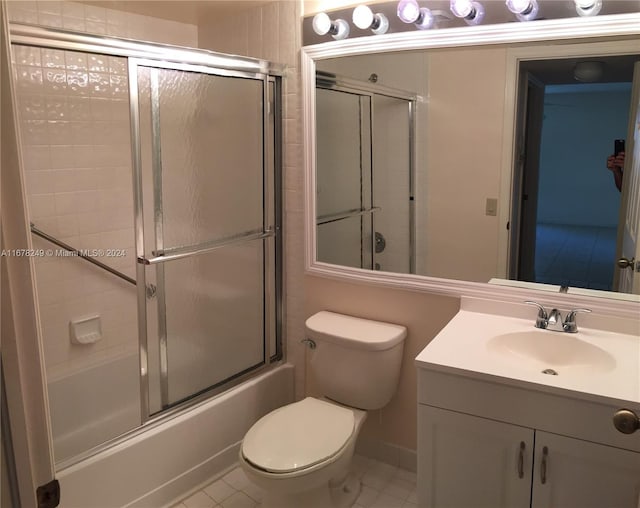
(94, 405)
(155, 467)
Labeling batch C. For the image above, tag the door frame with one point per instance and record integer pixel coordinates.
(506, 201)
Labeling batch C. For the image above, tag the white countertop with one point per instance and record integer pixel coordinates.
(465, 347)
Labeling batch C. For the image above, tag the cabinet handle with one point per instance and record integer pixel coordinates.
(543, 465)
(521, 460)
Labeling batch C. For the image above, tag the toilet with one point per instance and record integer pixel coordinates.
(300, 454)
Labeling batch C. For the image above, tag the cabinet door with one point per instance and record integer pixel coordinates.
(465, 461)
(578, 474)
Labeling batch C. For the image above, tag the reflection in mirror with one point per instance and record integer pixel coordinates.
(559, 226)
(364, 142)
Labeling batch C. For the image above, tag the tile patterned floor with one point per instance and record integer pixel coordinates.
(383, 486)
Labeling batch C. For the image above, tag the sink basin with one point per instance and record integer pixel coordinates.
(559, 351)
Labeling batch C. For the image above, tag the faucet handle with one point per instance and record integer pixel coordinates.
(542, 320)
(569, 324)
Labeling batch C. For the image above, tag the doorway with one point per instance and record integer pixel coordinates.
(568, 203)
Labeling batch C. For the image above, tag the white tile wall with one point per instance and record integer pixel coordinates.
(74, 123)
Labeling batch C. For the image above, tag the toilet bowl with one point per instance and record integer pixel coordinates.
(300, 454)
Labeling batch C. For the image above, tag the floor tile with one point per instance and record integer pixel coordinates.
(385, 501)
(367, 496)
(239, 500)
(383, 486)
(219, 490)
(199, 500)
(237, 479)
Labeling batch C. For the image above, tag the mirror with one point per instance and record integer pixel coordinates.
(466, 208)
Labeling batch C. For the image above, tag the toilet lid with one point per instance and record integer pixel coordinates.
(298, 436)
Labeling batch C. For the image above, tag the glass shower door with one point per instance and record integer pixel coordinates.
(344, 175)
(205, 226)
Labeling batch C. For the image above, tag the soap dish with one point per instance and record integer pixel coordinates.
(85, 331)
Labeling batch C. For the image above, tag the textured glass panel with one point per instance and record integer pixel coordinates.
(211, 134)
(346, 242)
(214, 317)
(341, 157)
(391, 182)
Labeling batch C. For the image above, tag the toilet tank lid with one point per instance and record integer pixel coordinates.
(354, 332)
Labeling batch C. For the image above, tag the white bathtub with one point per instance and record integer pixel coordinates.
(94, 405)
(155, 467)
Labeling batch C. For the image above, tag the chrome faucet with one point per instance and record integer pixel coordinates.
(553, 320)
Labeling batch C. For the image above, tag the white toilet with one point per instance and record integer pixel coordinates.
(300, 454)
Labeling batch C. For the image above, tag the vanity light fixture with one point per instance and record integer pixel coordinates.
(472, 12)
(364, 18)
(322, 25)
(525, 10)
(588, 7)
(410, 12)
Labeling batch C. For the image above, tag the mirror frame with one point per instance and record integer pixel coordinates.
(605, 29)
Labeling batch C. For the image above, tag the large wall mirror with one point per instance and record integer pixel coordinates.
(453, 157)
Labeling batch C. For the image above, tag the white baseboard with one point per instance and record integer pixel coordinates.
(388, 453)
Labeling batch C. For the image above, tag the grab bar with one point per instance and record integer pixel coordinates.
(79, 254)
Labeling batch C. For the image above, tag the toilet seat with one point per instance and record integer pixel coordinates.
(298, 436)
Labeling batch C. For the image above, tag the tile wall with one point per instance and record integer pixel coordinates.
(74, 124)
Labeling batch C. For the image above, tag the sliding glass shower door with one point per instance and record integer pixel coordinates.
(206, 226)
(364, 175)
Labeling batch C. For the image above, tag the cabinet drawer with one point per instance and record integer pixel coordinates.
(582, 419)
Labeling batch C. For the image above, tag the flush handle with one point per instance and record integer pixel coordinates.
(521, 460)
(626, 421)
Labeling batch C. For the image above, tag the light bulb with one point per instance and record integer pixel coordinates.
(362, 17)
(461, 8)
(321, 23)
(408, 11)
(425, 20)
(525, 10)
(339, 29)
(588, 7)
(471, 12)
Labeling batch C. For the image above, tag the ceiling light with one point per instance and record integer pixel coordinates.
(322, 25)
(525, 10)
(588, 72)
(364, 18)
(588, 7)
(472, 12)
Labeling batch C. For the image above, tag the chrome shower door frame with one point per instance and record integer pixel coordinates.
(163, 55)
(270, 233)
(328, 81)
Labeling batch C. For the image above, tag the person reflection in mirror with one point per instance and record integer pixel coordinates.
(615, 164)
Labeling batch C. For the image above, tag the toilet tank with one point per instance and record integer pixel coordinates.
(356, 362)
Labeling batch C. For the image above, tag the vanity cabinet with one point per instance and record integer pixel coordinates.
(467, 461)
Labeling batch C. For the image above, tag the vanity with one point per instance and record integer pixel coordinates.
(510, 415)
